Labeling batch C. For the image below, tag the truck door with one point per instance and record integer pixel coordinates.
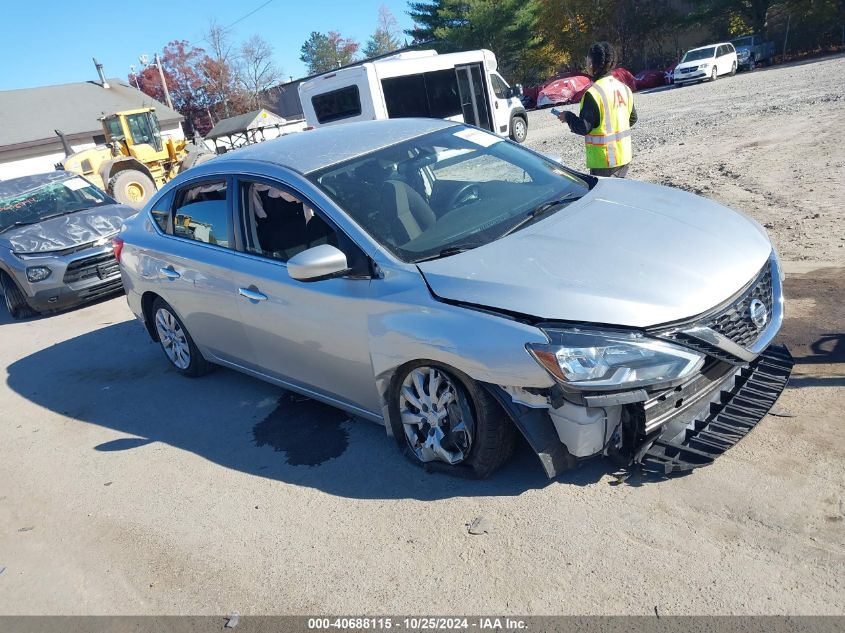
(472, 89)
(503, 105)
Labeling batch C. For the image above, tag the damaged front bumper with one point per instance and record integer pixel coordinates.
(670, 430)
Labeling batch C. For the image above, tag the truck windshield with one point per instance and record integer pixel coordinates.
(743, 41)
(701, 53)
(59, 197)
(446, 191)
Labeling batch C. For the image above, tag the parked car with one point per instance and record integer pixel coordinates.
(561, 90)
(458, 288)
(650, 79)
(706, 62)
(751, 50)
(55, 242)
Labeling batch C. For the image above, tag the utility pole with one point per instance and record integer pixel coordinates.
(163, 82)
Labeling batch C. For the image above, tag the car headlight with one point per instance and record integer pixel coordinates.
(590, 360)
(38, 273)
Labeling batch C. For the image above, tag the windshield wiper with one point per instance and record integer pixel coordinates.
(18, 223)
(447, 252)
(538, 211)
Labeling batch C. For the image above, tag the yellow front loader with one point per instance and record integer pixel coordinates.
(136, 160)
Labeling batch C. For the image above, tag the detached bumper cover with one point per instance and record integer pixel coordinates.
(737, 411)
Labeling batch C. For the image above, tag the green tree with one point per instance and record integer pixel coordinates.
(385, 39)
(506, 27)
(324, 52)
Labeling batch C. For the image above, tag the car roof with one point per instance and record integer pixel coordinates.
(707, 46)
(22, 184)
(315, 149)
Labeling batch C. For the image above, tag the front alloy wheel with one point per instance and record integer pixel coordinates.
(437, 420)
(715, 74)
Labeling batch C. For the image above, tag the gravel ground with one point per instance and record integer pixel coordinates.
(770, 143)
(127, 489)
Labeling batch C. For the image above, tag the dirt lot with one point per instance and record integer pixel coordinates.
(127, 489)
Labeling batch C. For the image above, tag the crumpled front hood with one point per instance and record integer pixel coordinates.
(67, 231)
(628, 253)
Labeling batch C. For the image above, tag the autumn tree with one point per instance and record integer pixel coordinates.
(385, 39)
(257, 72)
(323, 52)
(182, 66)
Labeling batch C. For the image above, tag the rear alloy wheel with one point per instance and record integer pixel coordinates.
(131, 187)
(715, 74)
(519, 129)
(446, 422)
(14, 299)
(177, 344)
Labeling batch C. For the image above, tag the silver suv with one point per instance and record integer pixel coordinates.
(56, 234)
(460, 289)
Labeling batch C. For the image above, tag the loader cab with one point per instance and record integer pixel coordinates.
(133, 128)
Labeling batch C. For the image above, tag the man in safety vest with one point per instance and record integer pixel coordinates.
(607, 114)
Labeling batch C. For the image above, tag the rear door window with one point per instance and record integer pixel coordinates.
(202, 214)
(338, 104)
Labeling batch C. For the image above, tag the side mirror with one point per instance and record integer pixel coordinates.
(317, 263)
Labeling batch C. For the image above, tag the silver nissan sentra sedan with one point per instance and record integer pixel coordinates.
(460, 289)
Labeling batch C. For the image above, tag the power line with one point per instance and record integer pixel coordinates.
(240, 19)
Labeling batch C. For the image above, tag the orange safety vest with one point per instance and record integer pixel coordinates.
(609, 143)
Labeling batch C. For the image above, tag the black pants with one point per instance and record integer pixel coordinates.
(618, 172)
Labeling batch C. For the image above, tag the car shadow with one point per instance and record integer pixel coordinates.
(6, 318)
(117, 378)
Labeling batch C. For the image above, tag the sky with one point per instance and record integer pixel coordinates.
(52, 41)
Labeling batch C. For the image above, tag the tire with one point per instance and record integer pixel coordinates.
(475, 451)
(182, 351)
(193, 159)
(715, 74)
(14, 299)
(519, 129)
(769, 61)
(733, 69)
(131, 187)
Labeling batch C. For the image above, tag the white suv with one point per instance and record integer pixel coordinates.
(706, 62)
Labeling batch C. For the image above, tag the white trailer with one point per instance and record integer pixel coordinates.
(463, 87)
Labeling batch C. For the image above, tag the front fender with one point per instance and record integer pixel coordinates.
(412, 324)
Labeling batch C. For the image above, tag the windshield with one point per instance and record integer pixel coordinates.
(455, 189)
(701, 53)
(58, 197)
(743, 41)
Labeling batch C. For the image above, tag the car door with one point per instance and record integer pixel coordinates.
(724, 60)
(191, 265)
(313, 335)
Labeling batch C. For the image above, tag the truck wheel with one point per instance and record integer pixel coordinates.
(445, 422)
(15, 300)
(770, 60)
(519, 129)
(131, 187)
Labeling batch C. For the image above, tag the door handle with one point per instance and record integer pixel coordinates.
(252, 295)
(169, 273)
(496, 105)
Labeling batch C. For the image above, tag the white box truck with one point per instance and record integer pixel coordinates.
(463, 87)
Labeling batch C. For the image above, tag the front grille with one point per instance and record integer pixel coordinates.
(735, 322)
(100, 266)
(688, 70)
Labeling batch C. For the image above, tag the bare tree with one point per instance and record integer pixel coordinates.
(220, 70)
(257, 71)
